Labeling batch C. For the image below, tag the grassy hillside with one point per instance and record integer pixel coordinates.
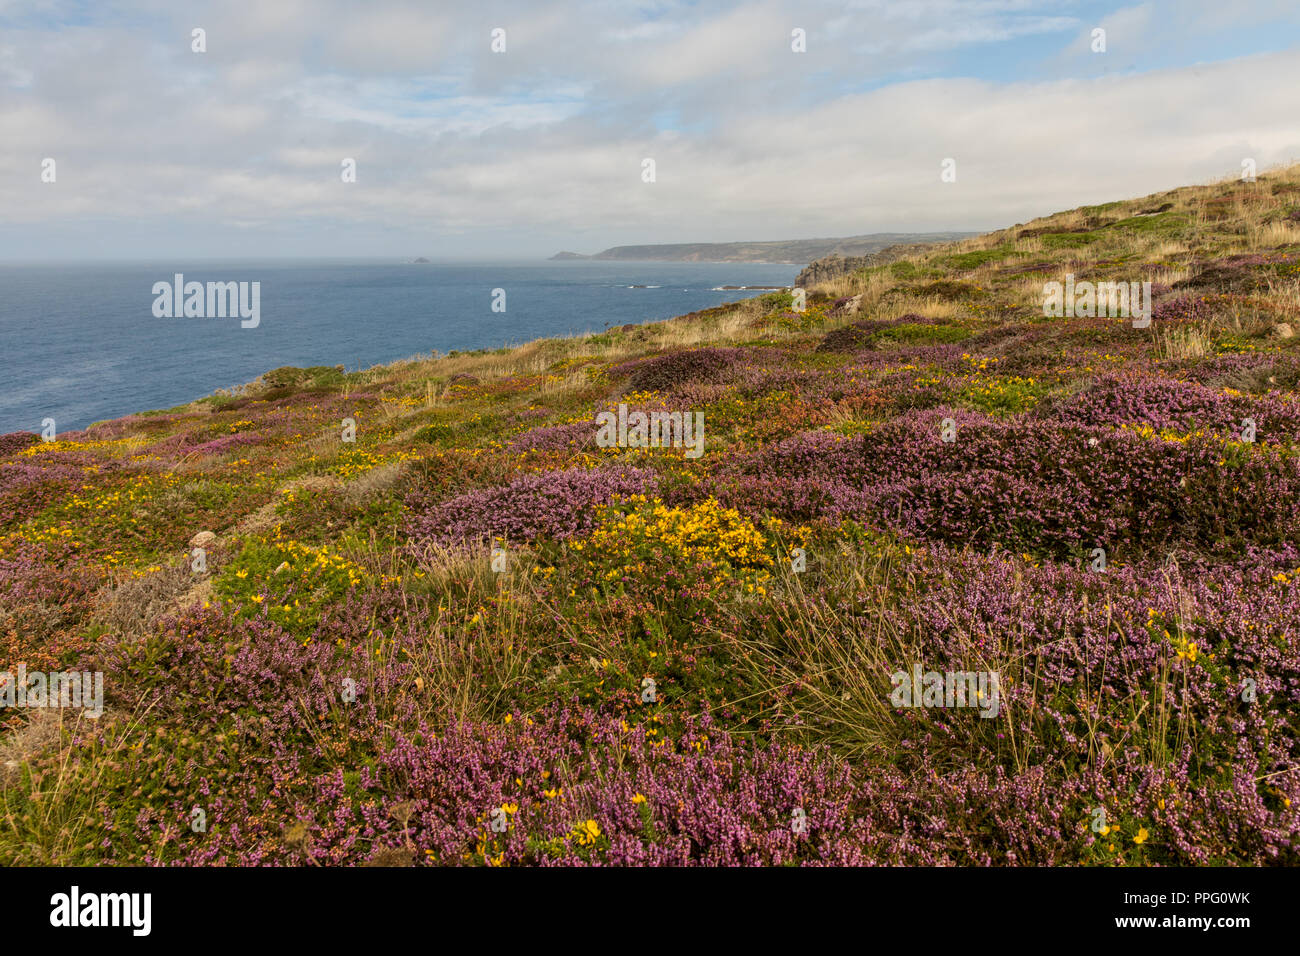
(639, 674)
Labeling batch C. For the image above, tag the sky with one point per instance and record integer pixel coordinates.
(463, 151)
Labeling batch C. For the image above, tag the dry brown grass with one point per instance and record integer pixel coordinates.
(40, 730)
(1171, 250)
(1273, 234)
(132, 608)
(1185, 342)
(1285, 298)
(374, 482)
(871, 287)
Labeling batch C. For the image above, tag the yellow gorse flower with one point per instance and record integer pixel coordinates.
(702, 533)
(586, 833)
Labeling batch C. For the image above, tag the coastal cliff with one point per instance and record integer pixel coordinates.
(834, 266)
(791, 251)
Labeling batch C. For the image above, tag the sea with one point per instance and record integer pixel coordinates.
(83, 343)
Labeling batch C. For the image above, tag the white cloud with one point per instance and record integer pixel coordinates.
(457, 147)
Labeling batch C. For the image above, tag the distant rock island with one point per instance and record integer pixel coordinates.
(787, 252)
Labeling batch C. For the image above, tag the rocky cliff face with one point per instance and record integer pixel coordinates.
(830, 267)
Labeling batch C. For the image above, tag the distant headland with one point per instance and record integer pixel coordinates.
(791, 251)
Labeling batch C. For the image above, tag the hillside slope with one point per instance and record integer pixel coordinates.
(480, 634)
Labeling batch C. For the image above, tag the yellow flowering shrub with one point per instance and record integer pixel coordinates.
(705, 536)
(357, 461)
(291, 580)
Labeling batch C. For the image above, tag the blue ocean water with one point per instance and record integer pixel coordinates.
(81, 343)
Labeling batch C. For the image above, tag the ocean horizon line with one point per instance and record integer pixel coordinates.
(388, 260)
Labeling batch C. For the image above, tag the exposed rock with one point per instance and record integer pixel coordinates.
(833, 266)
(823, 270)
(1283, 330)
(849, 306)
(204, 539)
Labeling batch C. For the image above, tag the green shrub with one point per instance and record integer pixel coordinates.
(920, 333)
(1069, 240)
(1003, 395)
(973, 260)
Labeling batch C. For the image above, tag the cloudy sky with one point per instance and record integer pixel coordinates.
(465, 152)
